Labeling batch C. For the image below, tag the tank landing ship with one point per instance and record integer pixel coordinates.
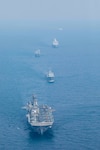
(39, 117)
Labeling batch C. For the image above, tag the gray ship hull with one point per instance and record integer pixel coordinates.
(40, 129)
(50, 80)
(54, 46)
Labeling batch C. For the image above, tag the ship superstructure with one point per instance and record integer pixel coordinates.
(39, 117)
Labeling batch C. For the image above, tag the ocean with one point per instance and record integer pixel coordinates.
(75, 94)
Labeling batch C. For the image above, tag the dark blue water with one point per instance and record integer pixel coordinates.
(75, 95)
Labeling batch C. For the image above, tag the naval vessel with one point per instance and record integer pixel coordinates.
(50, 76)
(39, 117)
(55, 43)
(37, 53)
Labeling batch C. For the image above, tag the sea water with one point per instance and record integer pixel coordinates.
(75, 94)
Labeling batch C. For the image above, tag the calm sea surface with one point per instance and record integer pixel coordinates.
(75, 95)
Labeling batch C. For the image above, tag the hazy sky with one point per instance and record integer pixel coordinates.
(49, 9)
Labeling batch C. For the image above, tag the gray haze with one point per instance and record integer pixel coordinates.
(49, 9)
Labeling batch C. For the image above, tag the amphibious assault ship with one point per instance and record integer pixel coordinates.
(39, 117)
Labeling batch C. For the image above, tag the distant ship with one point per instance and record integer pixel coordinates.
(37, 53)
(55, 43)
(39, 117)
(60, 29)
(50, 76)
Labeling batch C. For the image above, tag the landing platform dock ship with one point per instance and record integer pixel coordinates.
(39, 117)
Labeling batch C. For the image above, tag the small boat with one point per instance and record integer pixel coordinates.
(50, 76)
(37, 53)
(55, 43)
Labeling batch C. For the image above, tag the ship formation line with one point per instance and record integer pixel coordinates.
(40, 117)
